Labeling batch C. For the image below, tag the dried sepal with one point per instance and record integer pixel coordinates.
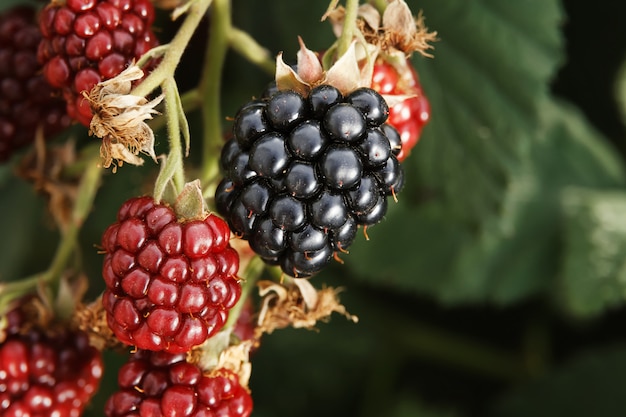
(45, 166)
(404, 32)
(296, 305)
(91, 319)
(352, 70)
(119, 119)
(397, 29)
(217, 353)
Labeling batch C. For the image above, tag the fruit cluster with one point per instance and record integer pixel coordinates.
(169, 283)
(45, 375)
(162, 384)
(88, 41)
(26, 100)
(302, 173)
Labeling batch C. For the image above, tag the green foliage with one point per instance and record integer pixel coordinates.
(588, 385)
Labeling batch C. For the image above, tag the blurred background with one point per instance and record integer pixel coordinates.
(496, 285)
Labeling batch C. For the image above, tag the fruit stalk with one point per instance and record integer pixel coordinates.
(83, 205)
(175, 50)
(219, 32)
(173, 169)
(349, 27)
(247, 47)
(253, 271)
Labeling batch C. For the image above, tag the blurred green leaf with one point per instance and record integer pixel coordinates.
(594, 267)
(590, 385)
(408, 406)
(511, 256)
(29, 231)
(490, 71)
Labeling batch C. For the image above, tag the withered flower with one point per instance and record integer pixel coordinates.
(119, 119)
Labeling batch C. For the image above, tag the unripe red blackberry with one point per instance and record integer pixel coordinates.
(302, 173)
(410, 115)
(26, 100)
(47, 375)
(88, 41)
(170, 282)
(162, 384)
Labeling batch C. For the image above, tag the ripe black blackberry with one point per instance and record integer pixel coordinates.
(302, 173)
(26, 100)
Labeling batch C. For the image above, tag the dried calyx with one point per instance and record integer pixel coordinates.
(119, 119)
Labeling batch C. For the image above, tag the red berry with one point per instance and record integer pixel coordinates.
(26, 100)
(89, 41)
(161, 384)
(43, 375)
(170, 283)
(410, 115)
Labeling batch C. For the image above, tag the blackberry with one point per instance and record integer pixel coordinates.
(26, 100)
(89, 41)
(162, 384)
(44, 373)
(303, 173)
(170, 282)
(410, 115)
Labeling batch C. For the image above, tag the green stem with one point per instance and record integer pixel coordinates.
(173, 166)
(380, 5)
(349, 27)
(85, 196)
(246, 46)
(250, 276)
(219, 31)
(190, 100)
(177, 46)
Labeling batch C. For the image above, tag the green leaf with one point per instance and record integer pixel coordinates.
(590, 385)
(490, 71)
(510, 256)
(594, 268)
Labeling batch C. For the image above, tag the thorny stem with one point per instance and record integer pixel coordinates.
(349, 27)
(173, 169)
(219, 30)
(174, 52)
(85, 196)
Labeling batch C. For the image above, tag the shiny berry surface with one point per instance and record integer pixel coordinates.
(410, 115)
(170, 283)
(86, 42)
(302, 173)
(27, 102)
(47, 374)
(162, 384)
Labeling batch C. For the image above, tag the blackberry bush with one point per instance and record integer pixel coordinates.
(302, 173)
(192, 237)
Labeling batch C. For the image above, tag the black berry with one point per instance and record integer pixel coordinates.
(303, 173)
